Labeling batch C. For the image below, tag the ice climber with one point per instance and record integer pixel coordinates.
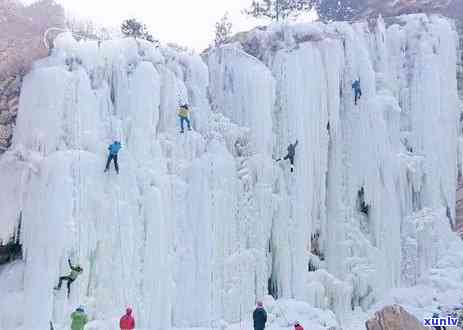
(291, 154)
(357, 90)
(183, 113)
(438, 327)
(79, 319)
(75, 272)
(113, 151)
(127, 321)
(259, 316)
(298, 326)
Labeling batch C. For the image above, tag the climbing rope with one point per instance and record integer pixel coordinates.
(79, 237)
(283, 314)
(124, 291)
(212, 247)
(241, 295)
(79, 174)
(244, 165)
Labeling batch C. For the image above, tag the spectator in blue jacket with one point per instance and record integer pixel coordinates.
(113, 151)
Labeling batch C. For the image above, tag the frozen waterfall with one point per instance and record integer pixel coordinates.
(197, 226)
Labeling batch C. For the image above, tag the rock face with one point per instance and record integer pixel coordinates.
(22, 31)
(401, 7)
(393, 318)
(9, 103)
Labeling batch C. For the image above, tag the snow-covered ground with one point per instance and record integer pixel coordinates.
(198, 226)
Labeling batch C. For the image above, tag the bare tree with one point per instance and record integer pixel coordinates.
(82, 29)
(223, 30)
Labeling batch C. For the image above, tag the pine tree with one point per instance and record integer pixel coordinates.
(279, 9)
(135, 29)
(222, 30)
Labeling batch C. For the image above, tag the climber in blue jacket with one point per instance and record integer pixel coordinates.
(113, 151)
(357, 90)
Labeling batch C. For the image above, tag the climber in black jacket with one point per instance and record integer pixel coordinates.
(291, 154)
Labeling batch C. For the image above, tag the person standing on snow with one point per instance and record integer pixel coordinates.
(298, 326)
(183, 113)
(259, 316)
(113, 151)
(357, 90)
(291, 154)
(127, 321)
(75, 271)
(79, 319)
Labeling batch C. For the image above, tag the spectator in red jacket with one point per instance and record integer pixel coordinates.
(127, 321)
(297, 326)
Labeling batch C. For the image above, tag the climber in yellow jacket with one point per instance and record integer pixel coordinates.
(184, 112)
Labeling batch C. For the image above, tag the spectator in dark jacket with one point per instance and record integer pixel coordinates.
(259, 316)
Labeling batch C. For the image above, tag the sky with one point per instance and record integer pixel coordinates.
(188, 23)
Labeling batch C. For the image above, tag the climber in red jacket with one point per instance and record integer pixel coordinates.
(297, 326)
(127, 321)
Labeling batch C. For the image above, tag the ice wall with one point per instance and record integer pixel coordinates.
(197, 226)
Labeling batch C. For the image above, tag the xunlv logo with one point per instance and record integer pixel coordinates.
(443, 321)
